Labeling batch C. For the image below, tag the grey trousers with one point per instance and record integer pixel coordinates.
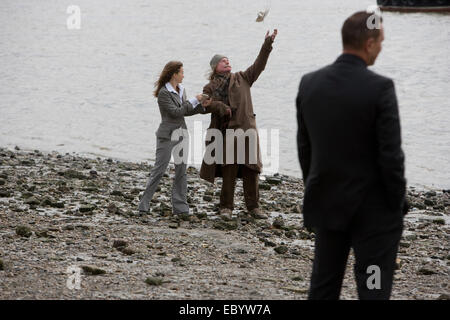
(164, 149)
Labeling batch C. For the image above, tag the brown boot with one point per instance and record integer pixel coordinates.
(226, 214)
(258, 214)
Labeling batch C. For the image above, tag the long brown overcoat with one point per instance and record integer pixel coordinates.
(243, 117)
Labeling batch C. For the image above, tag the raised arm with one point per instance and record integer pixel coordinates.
(252, 73)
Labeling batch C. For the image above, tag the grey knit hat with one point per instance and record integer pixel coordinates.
(215, 61)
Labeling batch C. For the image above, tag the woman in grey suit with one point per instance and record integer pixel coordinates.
(173, 107)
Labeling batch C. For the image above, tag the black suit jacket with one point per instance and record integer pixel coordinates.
(349, 144)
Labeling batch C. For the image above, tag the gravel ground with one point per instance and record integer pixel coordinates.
(69, 230)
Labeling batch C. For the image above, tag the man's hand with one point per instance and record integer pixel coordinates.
(206, 103)
(273, 35)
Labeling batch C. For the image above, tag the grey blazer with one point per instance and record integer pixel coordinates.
(173, 112)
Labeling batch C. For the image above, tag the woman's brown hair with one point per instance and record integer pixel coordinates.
(169, 70)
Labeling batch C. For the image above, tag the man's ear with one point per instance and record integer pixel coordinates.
(369, 45)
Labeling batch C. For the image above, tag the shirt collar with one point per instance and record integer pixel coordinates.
(171, 89)
(351, 58)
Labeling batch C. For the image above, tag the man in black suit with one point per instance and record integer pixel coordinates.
(349, 146)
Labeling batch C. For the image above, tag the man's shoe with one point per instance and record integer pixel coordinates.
(226, 214)
(258, 214)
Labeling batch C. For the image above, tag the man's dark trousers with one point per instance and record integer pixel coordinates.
(373, 244)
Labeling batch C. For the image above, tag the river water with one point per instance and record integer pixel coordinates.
(89, 90)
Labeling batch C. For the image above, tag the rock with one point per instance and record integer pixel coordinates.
(92, 271)
(296, 290)
(278, 222)
(439, 221)
(184, 216)
(59, 205)
(443, 296)
(298, 278)
(173, 225)
(27, 162)
(176, 259)
(429, 202)
(117, 193)
(419, 205)
(126, 251)
(47, 201)
(241, 251)
(225, 225)
(268, 243)
(281, 249)
(23, 231)
(273, 180)
(2, 265)
(153, 281)
(32, 201)
(398, 263)
(411, 237)
(265, 186)
(277, 232)
(430, 193)
(207, 198)
(426, 271)
(119, 243)
(291, 234)
(5, 193)
(87, 208)
(263, 234)
(73, 174)
(112, 208)
(201, 215)
(404, 244)
(42, 234)
(2, 182)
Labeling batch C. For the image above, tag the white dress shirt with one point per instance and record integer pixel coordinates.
(193, 101)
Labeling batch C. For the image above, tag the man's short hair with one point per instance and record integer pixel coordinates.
(355, 31)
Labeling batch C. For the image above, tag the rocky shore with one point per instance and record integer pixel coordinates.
(68, 221)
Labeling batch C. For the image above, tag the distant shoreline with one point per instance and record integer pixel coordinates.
(89, 155)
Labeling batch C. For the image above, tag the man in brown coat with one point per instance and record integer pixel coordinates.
(232, 115)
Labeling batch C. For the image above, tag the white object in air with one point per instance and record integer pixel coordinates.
(262, 15)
